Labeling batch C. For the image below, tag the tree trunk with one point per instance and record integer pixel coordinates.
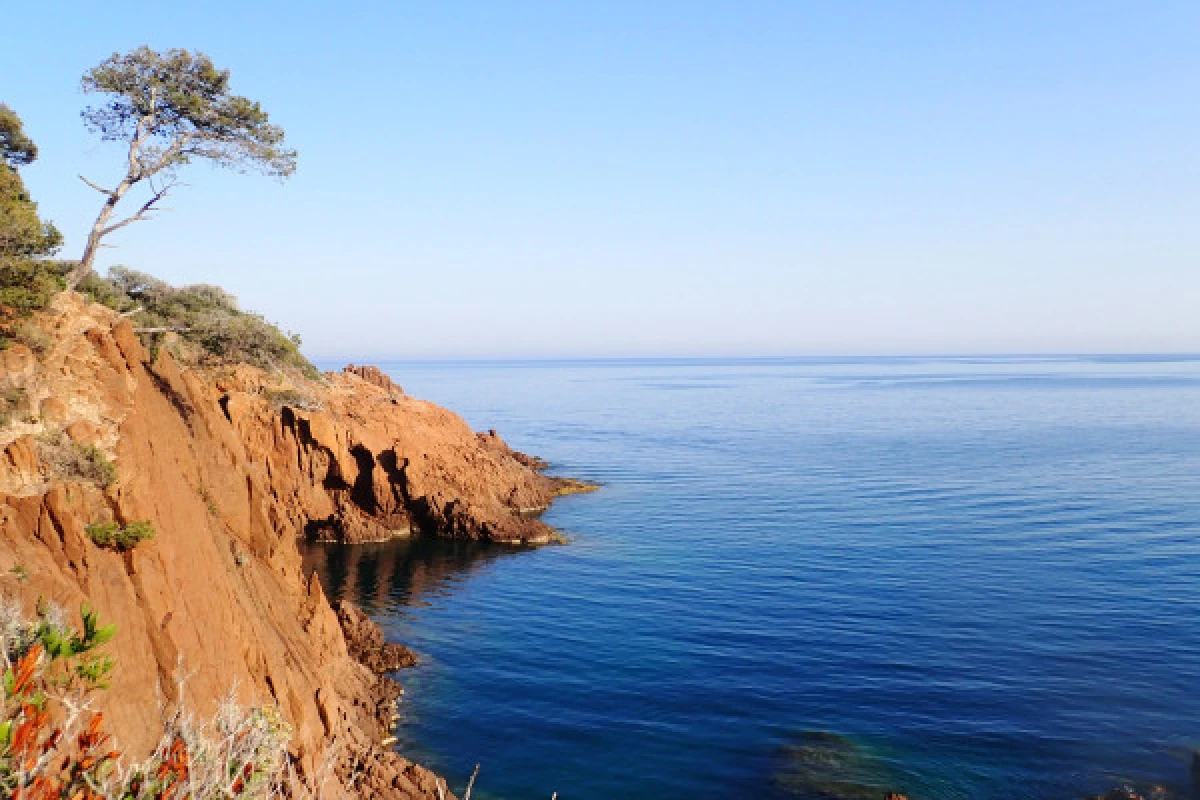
(87, 262)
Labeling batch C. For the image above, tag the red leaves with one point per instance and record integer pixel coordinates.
(26, 669)
(26, 746)
(55, 767)
(41, 788)
(239, 785)
(92, 737)
(173, 771)
(52, 740)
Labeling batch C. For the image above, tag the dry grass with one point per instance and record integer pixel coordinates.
(71, 460)
(33, 337)
(279, 398)
(13, 402)
(53, 744)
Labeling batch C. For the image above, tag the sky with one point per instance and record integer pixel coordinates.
(691, 178)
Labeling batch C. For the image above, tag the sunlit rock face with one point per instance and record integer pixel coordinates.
(230, 464)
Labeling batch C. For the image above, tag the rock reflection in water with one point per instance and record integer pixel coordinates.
(401, 572)
(820, 765)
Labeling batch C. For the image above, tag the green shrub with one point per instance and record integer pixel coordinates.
(27, 284)
(52, 744)
(206, 315)
(103, 534)
(120, 537)
(27, 278)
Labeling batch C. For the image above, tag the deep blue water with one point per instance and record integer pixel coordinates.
(974, 577)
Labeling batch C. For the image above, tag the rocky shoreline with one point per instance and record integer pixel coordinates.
(228, 465)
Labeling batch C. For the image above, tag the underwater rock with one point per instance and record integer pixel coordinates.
(828, 766)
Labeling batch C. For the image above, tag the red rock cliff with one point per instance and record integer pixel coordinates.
(231, 464)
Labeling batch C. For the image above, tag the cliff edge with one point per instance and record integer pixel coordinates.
(229, 464)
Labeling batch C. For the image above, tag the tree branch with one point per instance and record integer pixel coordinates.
(177, 147)
(146, 208)
(99, 189)
(139, 138)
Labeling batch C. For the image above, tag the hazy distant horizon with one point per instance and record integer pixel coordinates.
(483, 180)
(336, 362)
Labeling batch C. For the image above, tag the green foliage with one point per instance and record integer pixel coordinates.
(23, 234)
(27, 284)
(16, 149)
(182, 104)
(170, 108)
(44, 750)
(120, 537)
(53, 746)
(206, 315)
(108, 291)
(61, 642)
(104, 534)
(27, 281)
(72, 654)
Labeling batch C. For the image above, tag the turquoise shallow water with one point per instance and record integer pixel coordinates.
(975, 577)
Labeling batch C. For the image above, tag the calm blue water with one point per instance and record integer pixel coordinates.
(976, 578)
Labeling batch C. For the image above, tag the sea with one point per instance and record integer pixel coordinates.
(958, 577)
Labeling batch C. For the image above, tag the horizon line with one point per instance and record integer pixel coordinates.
(369, 360)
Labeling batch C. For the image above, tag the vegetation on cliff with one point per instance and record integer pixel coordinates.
(168, 108)
(75, 460)
(27, 279)
(54, 746)
(120, 537)
(205, 315)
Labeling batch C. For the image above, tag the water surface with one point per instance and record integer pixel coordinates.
(963, 578)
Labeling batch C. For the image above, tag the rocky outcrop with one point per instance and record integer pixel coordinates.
(364, 640)
(374, 375)
(230, 465)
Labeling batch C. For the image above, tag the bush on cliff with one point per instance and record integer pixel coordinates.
(12, 403)
(205, 315)
(53, 746)
(27, 284)
(120, 537)
(86, 462)
(27, 280)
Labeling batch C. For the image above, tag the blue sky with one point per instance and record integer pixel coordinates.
(669, 178)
